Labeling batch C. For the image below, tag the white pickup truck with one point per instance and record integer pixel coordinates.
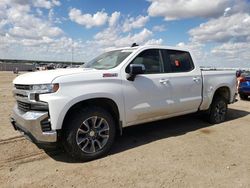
(84, 108)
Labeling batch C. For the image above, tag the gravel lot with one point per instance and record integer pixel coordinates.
(178, 152)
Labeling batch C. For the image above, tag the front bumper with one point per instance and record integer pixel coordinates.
(29, 123)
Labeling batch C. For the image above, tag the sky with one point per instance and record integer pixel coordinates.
(217, 32)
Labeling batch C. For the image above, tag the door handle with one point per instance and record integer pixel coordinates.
(196, 79)
(164, 81)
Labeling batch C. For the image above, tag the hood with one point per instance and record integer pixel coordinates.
(46, 77)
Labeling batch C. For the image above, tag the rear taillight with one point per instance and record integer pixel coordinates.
(242, 79)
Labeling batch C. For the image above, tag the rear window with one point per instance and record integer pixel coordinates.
(180, 61)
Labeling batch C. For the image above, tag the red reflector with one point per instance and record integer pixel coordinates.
(177, 63)
(105, 75)
(242, 79)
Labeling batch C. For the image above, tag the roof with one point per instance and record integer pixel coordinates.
(151, 47)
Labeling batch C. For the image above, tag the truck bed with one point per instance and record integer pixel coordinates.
(213, 79)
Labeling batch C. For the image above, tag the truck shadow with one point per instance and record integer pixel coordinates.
(139, 135)
(143, 134)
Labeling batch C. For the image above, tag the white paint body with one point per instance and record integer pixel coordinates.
(149, 97)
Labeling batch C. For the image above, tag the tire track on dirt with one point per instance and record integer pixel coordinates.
(12, 139)
(18, 150)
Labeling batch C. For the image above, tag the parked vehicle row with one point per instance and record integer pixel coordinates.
(244, 85)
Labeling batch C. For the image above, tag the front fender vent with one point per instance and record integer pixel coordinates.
(45, 125)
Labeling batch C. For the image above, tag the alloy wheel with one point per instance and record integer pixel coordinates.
(93, 134)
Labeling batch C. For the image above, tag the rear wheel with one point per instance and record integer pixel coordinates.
(218, 110)
(89, 133)
(243, 97)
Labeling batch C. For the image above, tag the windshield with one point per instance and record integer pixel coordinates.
(108, 60)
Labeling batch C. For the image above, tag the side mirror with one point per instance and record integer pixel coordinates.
(135, 69)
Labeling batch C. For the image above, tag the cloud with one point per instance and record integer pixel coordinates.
(135, 23)
(39, 12)
(114, 18)
(53, 18)
(3, 8)
(227, 11)
(237, 53)
(24, 24)
(228, 38)
(123, 34)
(101, 18)
(228, 54)
(233, 28)
(46, 3)
(118, 33)
(154, 42)
(24, 30)
(138, 38)
(112, 37)
(88, 20)
(2, 23)
(159, 28)
(34, 33)
(179, 9)
(222, 55)
(28, 30)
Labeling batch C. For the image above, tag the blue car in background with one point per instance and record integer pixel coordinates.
(244, 86)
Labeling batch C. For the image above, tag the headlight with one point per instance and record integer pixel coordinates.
(42, 89)
(45, 88)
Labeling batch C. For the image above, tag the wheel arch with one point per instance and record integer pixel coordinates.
(105, 103)
(223, 91)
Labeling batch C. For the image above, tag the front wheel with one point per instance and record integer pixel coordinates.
(89, 133)
(218, 110)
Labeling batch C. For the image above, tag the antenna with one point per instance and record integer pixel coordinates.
(134, 45)
(72, 53)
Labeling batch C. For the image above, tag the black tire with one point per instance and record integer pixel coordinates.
(218, 110)
(73, 137)
(243, 97)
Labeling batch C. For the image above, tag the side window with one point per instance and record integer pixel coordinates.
(151, 60)
(180, 61)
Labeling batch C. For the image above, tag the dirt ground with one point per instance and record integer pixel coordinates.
(178, 152)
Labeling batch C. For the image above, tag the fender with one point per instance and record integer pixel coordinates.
(81, 98)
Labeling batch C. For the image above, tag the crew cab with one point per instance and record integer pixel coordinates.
(84, 108)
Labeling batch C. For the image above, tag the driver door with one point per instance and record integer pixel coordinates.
(148, 96)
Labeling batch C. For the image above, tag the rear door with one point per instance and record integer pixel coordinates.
(185, 81)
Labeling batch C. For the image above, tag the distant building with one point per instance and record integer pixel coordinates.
(16, 66)
(32, 65)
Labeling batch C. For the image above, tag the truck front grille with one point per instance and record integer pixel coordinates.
(22, 95)
(23, 106)
(23, 87)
